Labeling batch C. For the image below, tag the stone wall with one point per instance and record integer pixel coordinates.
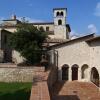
(95, 54)
(18, 74)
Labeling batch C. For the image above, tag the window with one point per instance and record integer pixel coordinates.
(57, 14)
(60, 22)
(36, 26)
(47, 28)
(61, 14)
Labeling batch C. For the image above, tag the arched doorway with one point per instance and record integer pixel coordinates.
(84, 71)
(75, 72)
(95, 76)
(65, 72)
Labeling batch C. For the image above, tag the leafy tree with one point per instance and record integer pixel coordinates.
(28, 40)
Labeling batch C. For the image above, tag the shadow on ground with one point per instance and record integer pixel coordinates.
(66, 97)
(56, 88)
(22, 94)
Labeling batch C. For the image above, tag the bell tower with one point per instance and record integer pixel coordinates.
(60, 30)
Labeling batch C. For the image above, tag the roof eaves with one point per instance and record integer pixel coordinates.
(90, 35)
(42, 23)
(60, 9)
(93, 39)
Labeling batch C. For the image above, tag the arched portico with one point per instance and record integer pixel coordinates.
(65, 72)
(75, 72)
(84, 71)
(94, 76)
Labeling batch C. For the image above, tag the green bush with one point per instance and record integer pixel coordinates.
(28, 40)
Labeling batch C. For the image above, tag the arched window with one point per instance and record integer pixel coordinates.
(59, 22)
(75, 72)
(57, 14)
(84, 70)
(65, 72)
(61, 13)
(95, 76)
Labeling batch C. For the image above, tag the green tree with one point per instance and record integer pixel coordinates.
(28, 40)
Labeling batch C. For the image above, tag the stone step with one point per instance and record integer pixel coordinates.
(74, 91)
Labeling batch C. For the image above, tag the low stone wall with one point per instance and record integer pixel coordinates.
(18, 74)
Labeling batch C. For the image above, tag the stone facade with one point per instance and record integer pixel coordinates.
(80, 58)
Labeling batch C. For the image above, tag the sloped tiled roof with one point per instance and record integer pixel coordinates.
(83, 38)
(60, 9)
(42, 23)
(93, 39)
(55, 40)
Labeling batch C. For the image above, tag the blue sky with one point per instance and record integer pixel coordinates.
(83, 15)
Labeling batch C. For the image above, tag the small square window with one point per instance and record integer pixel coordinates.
(47, 28)
(5, 39)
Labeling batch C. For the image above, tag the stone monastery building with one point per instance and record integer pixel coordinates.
(75, 59)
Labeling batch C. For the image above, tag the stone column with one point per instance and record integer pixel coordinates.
(99, 83)
(88, 75)
(79, 74)
(70, 74)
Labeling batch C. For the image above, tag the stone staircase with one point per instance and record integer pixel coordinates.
(74, 91)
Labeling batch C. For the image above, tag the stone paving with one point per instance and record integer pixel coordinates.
(40, 89)
(74, 91)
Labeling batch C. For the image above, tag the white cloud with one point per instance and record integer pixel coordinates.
(97, 10)
(74, 34)
(92, 28)
(31, 20)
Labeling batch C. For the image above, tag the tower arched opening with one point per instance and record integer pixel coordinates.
(59, 22)
(61, 13)
(57, 14)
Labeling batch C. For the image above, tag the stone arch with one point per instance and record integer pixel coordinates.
(59, 22)
(65, 71)
(84, 69)
(61, 13)
(94, 76)
(57, 14)
(75, 72)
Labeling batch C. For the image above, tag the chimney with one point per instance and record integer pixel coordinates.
(13, 17)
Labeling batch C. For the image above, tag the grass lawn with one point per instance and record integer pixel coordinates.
(15, 91)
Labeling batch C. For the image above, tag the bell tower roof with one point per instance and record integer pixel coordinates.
(60, 9)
